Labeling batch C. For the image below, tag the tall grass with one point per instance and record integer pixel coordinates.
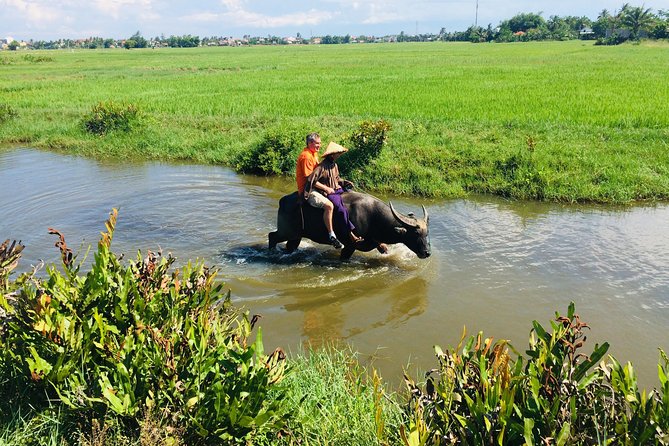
(597, 114)
(338, 402)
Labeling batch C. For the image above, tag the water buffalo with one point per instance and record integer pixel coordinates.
(375, 221)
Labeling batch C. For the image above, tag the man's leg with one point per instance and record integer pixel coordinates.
(328, 210)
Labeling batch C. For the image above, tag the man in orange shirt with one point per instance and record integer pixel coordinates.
(306, 163)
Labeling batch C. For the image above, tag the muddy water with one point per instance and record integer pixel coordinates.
(496, 265)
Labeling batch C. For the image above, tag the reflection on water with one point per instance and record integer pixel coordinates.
(496, 265)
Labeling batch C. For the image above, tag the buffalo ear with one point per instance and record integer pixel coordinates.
(400, 230)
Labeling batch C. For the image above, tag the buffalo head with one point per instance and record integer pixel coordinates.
(413, 232)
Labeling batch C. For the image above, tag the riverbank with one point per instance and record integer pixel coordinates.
(555, 121)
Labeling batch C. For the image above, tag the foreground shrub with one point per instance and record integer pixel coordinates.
(106, 117)
(7, 112)
(480, 395)
(124, 341)
(275, 154)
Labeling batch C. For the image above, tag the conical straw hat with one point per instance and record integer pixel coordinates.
(332, 148)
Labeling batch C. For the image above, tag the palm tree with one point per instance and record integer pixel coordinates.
(635, 18)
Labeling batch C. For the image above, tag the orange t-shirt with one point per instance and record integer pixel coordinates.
(306, 163)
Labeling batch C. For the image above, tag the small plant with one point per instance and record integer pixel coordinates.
(468, 399)
(9, 258)
(106, 117)
(275, 154)
(7, 112)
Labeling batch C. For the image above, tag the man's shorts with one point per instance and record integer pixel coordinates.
(317, 200)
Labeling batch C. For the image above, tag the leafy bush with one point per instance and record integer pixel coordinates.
(275, 154)
(124, 341)
(614, 39)
(37, 59)
(482, 396)
(107, 117)
(366, 144)
(7, 112)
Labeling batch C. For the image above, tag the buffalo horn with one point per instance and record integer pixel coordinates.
(425, 216)
(401, 218)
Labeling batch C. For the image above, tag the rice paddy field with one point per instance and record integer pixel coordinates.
(556, 121)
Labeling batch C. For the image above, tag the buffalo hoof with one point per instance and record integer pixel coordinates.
(382, 248)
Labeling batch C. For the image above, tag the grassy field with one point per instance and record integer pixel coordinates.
(560, 121)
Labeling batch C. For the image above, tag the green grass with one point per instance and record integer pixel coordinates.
(336, 402)
(569, 120)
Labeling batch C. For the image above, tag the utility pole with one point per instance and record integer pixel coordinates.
(476, 19)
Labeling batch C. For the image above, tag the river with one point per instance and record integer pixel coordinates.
(496, 265)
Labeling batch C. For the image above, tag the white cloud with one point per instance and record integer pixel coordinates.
(247, 18)
(117, 8)
(34, 12)
(233, 5)
(237, 14)
(203, 17)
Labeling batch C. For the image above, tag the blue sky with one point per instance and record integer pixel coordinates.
(52, 19)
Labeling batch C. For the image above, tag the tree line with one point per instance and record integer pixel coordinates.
(628, 23)
(610, 28)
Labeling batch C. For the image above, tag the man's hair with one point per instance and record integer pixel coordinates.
(312, 137)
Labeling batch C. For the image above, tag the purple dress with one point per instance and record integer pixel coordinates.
(340, 220)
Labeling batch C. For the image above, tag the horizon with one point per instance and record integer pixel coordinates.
(26, 20)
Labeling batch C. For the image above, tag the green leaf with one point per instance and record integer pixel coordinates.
(529, 437)
(488, 424)
(596, 355)
(192, 402)
(541, 333)
(563, 436)
(245, 421)
(115, 403)
(262, 418)
(38, 365)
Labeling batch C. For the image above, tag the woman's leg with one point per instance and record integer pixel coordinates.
(340, 218)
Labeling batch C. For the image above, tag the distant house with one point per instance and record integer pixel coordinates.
(586, 33)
